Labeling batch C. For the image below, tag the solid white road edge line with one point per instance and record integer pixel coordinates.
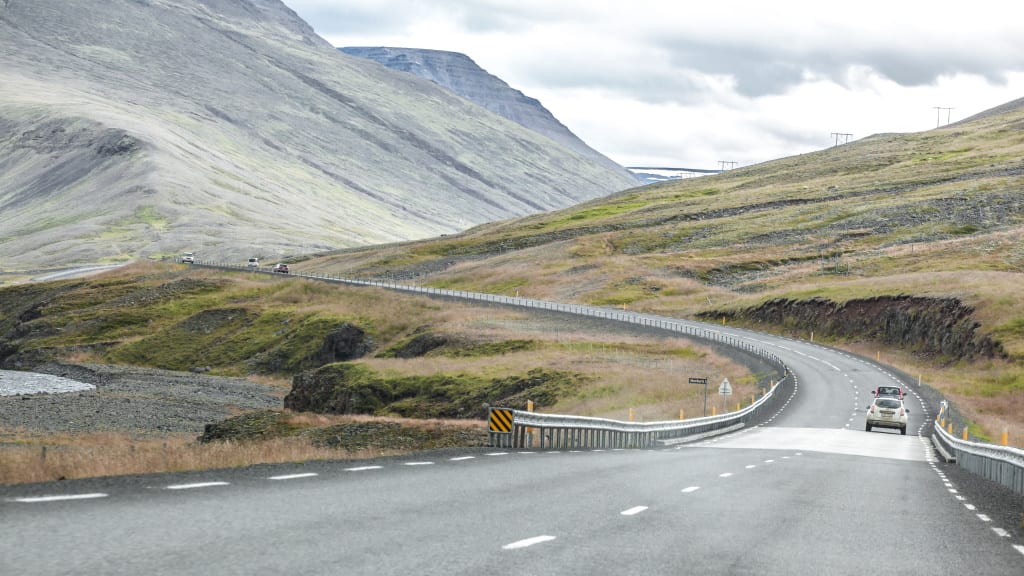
(292, 476)
(196, 485)
(527, 542)
(32, 499)
(633, 510)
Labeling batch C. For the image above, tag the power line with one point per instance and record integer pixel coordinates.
(844, 135)
(938, 114)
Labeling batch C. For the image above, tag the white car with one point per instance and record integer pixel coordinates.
(188, 258)
(253, 263)
(886, 412)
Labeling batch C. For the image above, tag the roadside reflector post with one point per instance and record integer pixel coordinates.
(965, 433)
(630, 414)
(949, 428)
(529, 430)
(714, 410)
(1005, 439)
(682, 416)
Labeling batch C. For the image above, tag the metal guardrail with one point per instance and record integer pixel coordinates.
(562, 431)
(558, 431)
(1002, 464)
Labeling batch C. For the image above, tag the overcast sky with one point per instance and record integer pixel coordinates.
(695, 84)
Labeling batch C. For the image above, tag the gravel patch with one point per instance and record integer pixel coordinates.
(141, 401)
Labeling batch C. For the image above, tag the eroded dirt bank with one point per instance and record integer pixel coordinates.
(942, 328)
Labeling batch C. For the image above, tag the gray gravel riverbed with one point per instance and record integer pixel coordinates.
(140, 401)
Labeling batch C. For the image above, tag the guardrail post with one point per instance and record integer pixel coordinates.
(1005, 438)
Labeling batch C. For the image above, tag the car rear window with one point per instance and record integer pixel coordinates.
(887, 403)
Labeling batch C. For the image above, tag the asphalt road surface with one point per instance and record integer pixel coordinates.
(808, 492)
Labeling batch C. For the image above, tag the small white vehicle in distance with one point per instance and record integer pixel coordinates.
(253, 263)
(886, 412)
(188, 258)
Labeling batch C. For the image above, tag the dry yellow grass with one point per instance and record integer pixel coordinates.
(63, 456)
(48, 457)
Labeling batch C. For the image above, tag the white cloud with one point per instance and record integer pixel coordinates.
(693, 84)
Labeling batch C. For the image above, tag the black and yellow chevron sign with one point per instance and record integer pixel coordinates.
(500, 420)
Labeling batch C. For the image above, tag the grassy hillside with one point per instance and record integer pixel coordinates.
(406, 355)
(937, 214)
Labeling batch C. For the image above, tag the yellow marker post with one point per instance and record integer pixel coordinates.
(965, 433)
(682, 414)
(1005, 438)
(714, 410)
(737, 406)
(950, 428)
(630, 414)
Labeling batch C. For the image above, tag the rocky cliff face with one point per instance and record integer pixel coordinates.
(144, 128)
(460, 74)
(937, 327)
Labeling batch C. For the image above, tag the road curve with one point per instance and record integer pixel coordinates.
(807, 492)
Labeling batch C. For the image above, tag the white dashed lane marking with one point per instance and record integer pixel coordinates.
(527, 542)
(633, 511)
(362, 468)
(690, 489)
(196, 485)
(34, 499)
(293, 476)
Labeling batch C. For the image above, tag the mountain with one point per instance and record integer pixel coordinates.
(142, 128)
(460, 74)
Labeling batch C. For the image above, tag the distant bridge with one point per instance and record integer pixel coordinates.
(669, 169)
(652, 174)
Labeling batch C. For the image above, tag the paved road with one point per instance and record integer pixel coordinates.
(808, 492)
